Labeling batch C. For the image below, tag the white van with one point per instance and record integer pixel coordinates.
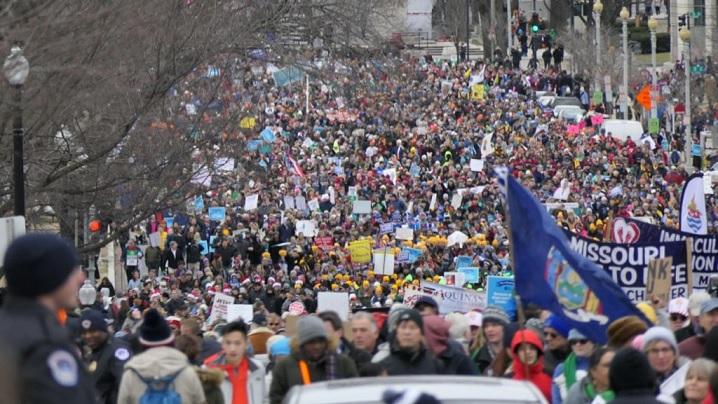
(622, 129)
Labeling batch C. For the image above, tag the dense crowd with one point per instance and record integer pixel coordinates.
(417, 140)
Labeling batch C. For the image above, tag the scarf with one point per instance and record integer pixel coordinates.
(569, 370)
(607, 395)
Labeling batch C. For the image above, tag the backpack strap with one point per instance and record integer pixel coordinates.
(167, 380)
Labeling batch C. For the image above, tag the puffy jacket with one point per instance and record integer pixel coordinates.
(255, 379)
(156, 363)
(536, 374)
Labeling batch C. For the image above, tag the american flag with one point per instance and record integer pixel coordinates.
(294, 166)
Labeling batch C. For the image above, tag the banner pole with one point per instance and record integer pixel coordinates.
(689, 264)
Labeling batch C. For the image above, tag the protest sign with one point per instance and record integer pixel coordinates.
(289, 202)
(471, 274)
(301, 202)
(362, 207)
(454, 279)
(251, 202)
(336, 302)
(463, 261)
(383, 262)
(658, 282)
(476, 164)
(219, 307)
(414, 254)
(306, 227)
(411, 296)
(627, 264)
(240, 311)
(198, 204)
(386, 228)
(325, 243)
(499, 290)
(217, 214)
(313, 205)
(403, 233)
(155, 239)
(133, 258)
(360, 251)
(455, 299)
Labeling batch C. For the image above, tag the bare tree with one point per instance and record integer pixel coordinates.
(99, 125)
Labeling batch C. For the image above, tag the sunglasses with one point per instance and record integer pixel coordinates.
(678, 317)
(551, 334)
(579, 341)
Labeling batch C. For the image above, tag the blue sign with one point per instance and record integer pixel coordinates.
(217, 214)
(414, 171)
(254, 145)
(170, 220)
(211, 244)
(414, 253)
(471, 274)
(198, 204)
(499, 290)
(403, 257)
(463, 261)
(268, 135)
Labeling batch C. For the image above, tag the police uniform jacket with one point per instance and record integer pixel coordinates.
(51, 370)
(106, 365)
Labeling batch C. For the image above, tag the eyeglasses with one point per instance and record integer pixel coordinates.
(579, 341)
(678, 317)
(656, 351)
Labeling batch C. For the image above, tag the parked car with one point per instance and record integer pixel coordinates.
(570, 113)
(448, 389)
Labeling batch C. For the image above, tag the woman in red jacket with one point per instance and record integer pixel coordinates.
(527, 349)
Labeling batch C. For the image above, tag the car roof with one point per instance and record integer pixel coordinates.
(448, 389)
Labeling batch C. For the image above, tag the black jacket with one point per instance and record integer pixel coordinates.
(456, 362)
(636, 397)
(51, 370)
(685, 333)
(403, 362)
(106, 365)
(359, 356)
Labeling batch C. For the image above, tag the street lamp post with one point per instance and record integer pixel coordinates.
(597, 9)
(652, 25)
(16, 69)
(625, 14)
(685, 35)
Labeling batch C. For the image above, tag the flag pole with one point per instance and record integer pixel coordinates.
(519, 308)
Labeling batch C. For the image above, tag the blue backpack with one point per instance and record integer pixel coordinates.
(160, 390)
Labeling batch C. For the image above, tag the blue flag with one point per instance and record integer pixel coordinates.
(554, 277)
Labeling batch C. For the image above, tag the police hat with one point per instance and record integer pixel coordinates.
(92, 320)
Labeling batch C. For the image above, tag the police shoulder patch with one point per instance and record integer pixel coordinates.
(63, 368)
(122, 354)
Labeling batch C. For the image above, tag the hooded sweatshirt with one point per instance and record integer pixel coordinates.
(157, 363)
(536, 374)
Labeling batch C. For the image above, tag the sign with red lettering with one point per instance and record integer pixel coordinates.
(325, 243)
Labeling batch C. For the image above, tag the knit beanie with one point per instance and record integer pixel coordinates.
(509, 331)
(436, 331)
(411, 315)
(630, 370)
(92, 320)
(38, 263)
(494, 314)
(309, 328)
(155, 331)
(624, 329)
(278, 346)
(394, 311)
(659, 334)
(557, 323)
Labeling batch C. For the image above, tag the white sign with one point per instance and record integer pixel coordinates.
(455, 298)
(476, 164)
(306, 227)
(411, 296)
(313, 205)
(289, 202)
(455, 279)
(219, 307)
(251, 202)
(432, 204)
(403, 233)
(155, 239)
(456, 201)
(383, 262)
(336, 302)
(224, 164)
(301, 202)
(391, 173)
(240, 311)
(707, 183)
(362, 207)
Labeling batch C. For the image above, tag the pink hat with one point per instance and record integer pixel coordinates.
(679, 306)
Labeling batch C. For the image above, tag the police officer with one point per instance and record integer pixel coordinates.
(43, 276)
(105, 357)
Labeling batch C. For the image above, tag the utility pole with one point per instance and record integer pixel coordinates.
(492, 12)
(468, 30)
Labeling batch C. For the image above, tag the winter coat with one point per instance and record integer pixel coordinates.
(211, 380)
(559, 388)
(536, 374)
(286, 373)
(255, 379)
(160, 362)
(636, 397)
(404, 362)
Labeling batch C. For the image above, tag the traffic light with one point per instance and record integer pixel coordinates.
(95, 226)
(682, 20)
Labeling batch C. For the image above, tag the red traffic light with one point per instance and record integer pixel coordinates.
(95, 225)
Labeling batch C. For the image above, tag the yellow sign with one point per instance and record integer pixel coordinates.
(247, 123)
(477, 92)
(360, 251)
